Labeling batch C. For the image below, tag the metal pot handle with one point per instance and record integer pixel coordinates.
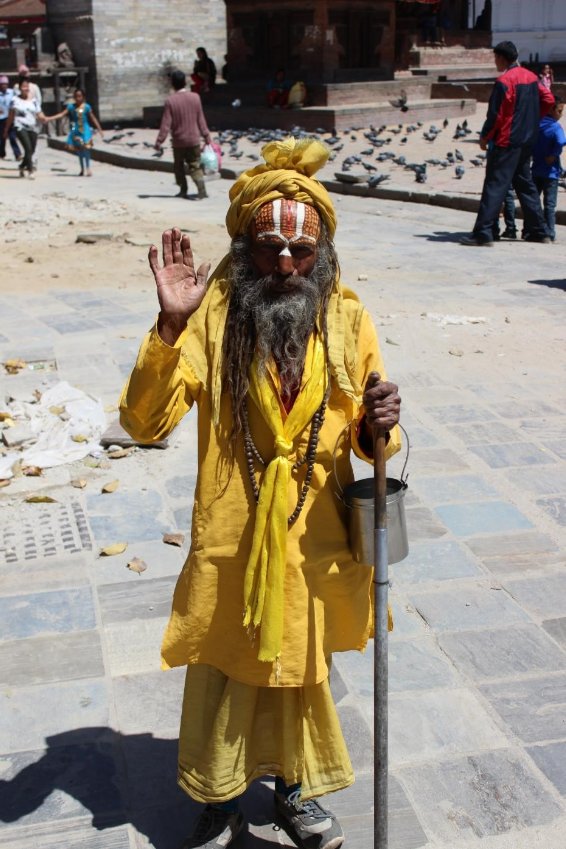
(337, 479)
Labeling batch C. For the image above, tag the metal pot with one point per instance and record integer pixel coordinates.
(358, 497)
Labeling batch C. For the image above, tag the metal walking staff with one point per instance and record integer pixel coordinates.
(380, 644)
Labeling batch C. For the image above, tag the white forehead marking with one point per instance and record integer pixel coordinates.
(277, 216)
(300, 220)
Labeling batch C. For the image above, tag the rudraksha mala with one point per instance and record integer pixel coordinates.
(253, 454)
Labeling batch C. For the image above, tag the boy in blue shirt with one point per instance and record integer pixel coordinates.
(546, 167)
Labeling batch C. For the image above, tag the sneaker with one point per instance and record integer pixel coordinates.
(473, 242)
(311, 825)
(31, 175)
(181, 194)
(215, 829)
(22, 172)
(509, 234)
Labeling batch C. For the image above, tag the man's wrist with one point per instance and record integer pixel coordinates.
(170, 327)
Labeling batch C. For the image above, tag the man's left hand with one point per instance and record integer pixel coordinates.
(483, 143)
(382, 402)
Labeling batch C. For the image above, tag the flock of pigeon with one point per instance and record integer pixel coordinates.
(381, 147)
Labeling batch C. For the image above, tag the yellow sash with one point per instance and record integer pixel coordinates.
(265, 573)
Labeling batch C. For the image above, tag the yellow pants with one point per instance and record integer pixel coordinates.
(232, 733)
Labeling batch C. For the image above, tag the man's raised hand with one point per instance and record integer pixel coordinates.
(180, 289)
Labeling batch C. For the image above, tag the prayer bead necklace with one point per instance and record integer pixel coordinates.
(253, 454)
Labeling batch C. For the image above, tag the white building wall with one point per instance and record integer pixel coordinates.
(535, 26)
(137, 41)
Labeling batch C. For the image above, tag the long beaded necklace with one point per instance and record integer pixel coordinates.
(253, 454)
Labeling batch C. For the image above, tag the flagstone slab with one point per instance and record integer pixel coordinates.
(555, 507)
(146, 598)
(134, 646)
(435, 461)
(30, 714)
(558, 446)
(539, 481)
(62, 657)
(534, 708)
(519, 543)
(438, 723)
(423, 524)
(447, 488)
(543, 596)
(161, 560)
(467, 607)
(476, 433)
(149, 702)
(458, 413)
(557, 629)
(442, 560)
(52, 612)
(502, 455)
(57, 835)
(491, 793)
(503, 653)
(474, 518)
(551, 760)
(47, 573)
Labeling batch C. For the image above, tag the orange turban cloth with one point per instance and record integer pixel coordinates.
(287, 173)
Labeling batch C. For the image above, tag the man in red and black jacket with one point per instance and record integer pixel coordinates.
(517, 103)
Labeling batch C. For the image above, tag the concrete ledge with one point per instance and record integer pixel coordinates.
(448, 201)
(136, 162)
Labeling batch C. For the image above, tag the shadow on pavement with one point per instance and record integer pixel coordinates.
(120, 779)
(442, 236)
(552, 284)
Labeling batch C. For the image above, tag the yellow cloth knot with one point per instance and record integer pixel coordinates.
(282, 446)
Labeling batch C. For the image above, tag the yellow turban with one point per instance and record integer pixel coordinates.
(287, 173)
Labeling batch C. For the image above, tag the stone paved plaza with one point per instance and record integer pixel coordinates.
(88, 722)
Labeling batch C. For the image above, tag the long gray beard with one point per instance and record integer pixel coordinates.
(283, 322)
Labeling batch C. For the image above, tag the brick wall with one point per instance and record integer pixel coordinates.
(128, 46)
(137, 41)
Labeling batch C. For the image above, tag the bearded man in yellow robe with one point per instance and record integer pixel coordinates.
(284, 366)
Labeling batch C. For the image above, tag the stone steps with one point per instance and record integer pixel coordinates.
(456, 72)
(331, 118)
(450, 56)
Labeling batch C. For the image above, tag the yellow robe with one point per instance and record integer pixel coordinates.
(327, 595)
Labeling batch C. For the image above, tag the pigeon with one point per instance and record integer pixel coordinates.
(376, 179)
(401, 160)
(132, 144)
(147, 144)
(158, 153)
(458, 155)
(368, 167)
(459, 171)
(253, 156)
(237, 155)
(403, 140)
(450, 156)
(367, 152)
(420, 176)
(476, 162)
(445, 123)
(401, 101)
(115, 137)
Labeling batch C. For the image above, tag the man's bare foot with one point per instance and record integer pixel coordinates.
(88, 172)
